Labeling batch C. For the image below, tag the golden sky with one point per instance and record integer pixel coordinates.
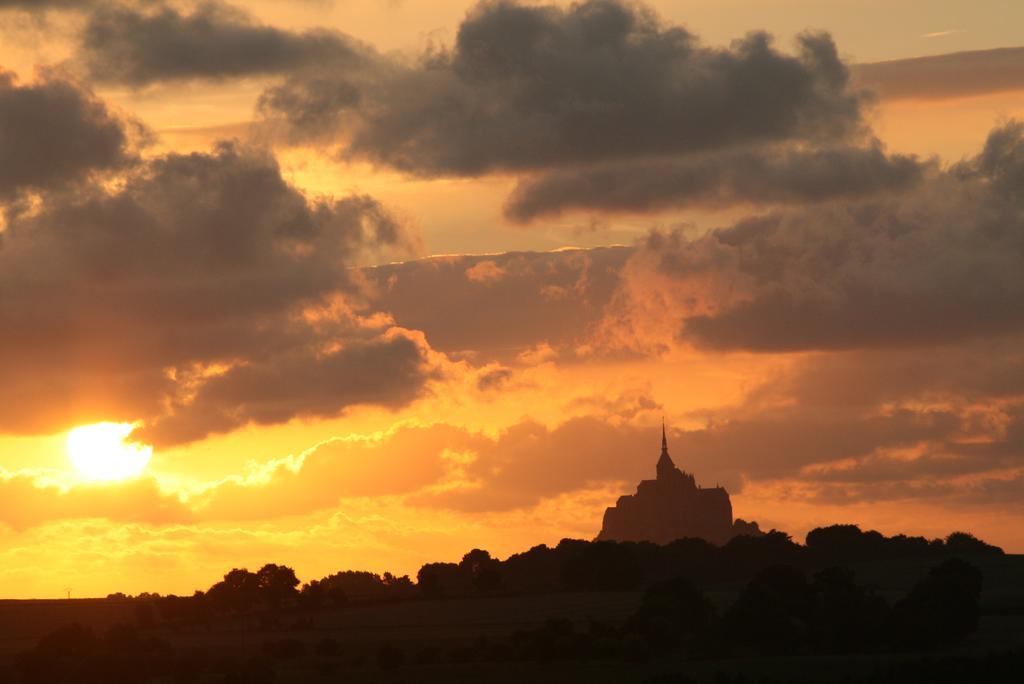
(368, 284)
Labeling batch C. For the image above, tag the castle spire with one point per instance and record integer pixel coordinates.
(665, 465)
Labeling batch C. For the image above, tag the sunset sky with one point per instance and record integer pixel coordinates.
(362, 285)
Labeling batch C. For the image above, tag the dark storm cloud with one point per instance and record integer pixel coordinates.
(530, 87)
(135, 46)
(958, 74)
(180, 287)
(53, 132)
(935, 264)
(769, 176)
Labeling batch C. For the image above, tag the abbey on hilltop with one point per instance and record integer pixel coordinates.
(671, 507)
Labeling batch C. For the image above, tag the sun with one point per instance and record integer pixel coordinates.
(99, 452)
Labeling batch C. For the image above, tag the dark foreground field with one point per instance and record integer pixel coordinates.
(471, 640)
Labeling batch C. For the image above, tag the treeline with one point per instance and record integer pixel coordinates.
(571, 566)
(781, 611)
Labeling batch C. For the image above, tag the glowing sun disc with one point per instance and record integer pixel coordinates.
(99, 452)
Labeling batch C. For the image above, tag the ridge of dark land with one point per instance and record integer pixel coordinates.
(848, 606)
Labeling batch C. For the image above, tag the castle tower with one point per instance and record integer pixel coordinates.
(665, 465)
(672, 507)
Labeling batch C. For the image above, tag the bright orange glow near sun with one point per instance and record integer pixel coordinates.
(100, 453)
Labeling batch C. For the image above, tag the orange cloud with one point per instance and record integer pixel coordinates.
(486, 271)
(26, 503)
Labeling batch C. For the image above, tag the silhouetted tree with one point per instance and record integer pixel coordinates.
(484, 572)
(322, 593)
(356, 586)
(772, 612)
(238, 591)
(967, 544)
(438, 580)
(535, 571)
(837, 544)
(399, 587)
(673, 612)
(695, 559)
(276, 584)
(846, 616)
(603, 566)
(941, 609)
(743, 556)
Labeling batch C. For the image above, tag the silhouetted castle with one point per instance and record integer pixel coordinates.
(671, 507)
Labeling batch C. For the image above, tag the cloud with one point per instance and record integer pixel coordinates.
(455, 469)
(935, 264)
(774, 445)
(497, 306)
(966, 466)
(405, 459)
(440, 466)
(958, 74)
(623, 111)
(126, 44)
(603, 107)
(44, 4)
(530, 462)
(200, 277)
(28, 504)
(389, 370)
(796, 441)
(759, 176)
(486, 271)
(494, 378)
(530, 87)
(901, 426)
(54, 132)
(974, 374)
(871, 425)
